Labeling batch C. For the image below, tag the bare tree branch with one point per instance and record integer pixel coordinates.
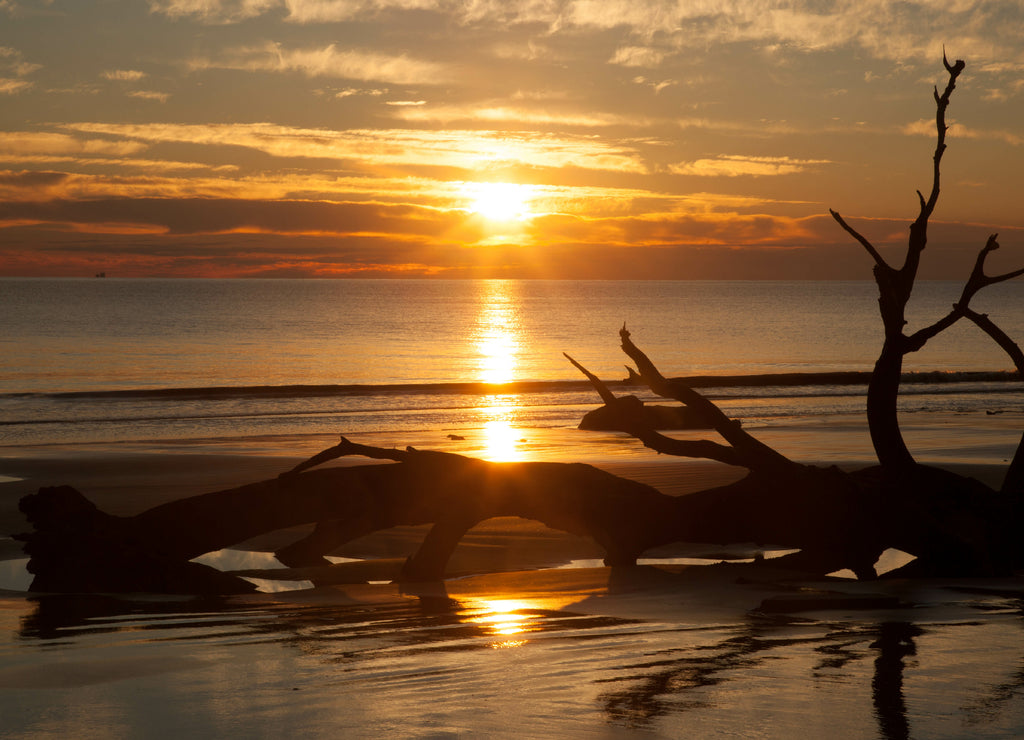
(606, 395)
(879, 260)
(919, 338)
(976, 282)
(1001, 338)
(345, 448)
(631, 421)
(695, 448)
(753, 453)
(978, 278)
(1013, 482)
(918, 230)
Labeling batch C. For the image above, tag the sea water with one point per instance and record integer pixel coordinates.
(101, 360)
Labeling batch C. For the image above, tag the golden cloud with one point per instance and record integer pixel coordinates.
(22, 143)
(455, 148)
(330, 61)
(10, 87)
(124, 75)
(738, 165)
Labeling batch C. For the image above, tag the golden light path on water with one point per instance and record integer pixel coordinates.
(510, 620)
(498, 345)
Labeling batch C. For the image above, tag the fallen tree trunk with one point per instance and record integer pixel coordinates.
(833, 517)
(76, 547)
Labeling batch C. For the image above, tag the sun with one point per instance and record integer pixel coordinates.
(500, 201)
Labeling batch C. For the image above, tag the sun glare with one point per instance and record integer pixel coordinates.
(502, 440)
(497, 333)
(500, 201)
(510, 620)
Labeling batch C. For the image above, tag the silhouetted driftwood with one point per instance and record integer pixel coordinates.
(75, 547)
(838, 520)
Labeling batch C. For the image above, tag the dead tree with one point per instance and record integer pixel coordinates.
(895, 286)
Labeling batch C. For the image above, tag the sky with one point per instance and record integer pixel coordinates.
(574, 139)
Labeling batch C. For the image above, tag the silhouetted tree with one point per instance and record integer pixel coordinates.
(894, 290)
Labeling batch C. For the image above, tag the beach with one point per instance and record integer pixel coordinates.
(530, 636)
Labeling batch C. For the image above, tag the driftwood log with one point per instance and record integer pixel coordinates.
(837, 520)
(617, 412)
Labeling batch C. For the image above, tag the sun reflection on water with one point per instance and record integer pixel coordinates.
(502, 441)
(510, 620)
(498, 345)
(497, 333)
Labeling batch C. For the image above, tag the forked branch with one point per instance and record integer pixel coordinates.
(632, 422)
(879, 260)
(753, 453)
(977, 281)
(919, 229)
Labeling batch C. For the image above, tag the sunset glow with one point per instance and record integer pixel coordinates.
(564, 139)
(502, 441)
(500, 201)
(497, 343)
(512, 619)
(497, 336)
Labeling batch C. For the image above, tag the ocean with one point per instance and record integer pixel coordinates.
(100, 361)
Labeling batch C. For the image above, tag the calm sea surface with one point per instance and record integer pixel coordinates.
(94, 360)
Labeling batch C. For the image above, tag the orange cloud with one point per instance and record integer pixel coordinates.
(329, 61)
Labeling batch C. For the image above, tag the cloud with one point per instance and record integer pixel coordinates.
(736, 166)
(124, 75)
(149, 95)
(519, 115)
(926, 127)
(370, 147)
(30, 143)
(33, 185)
(13, 70)
(335, 11)
(912, 31)
(649, 230)
(638, 56)
(350, 91)
(214, 11)
(330, 61)
(10, 87)
(472, 12)
(226, 215)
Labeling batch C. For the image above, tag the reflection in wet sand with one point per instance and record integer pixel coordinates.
(435, 655)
